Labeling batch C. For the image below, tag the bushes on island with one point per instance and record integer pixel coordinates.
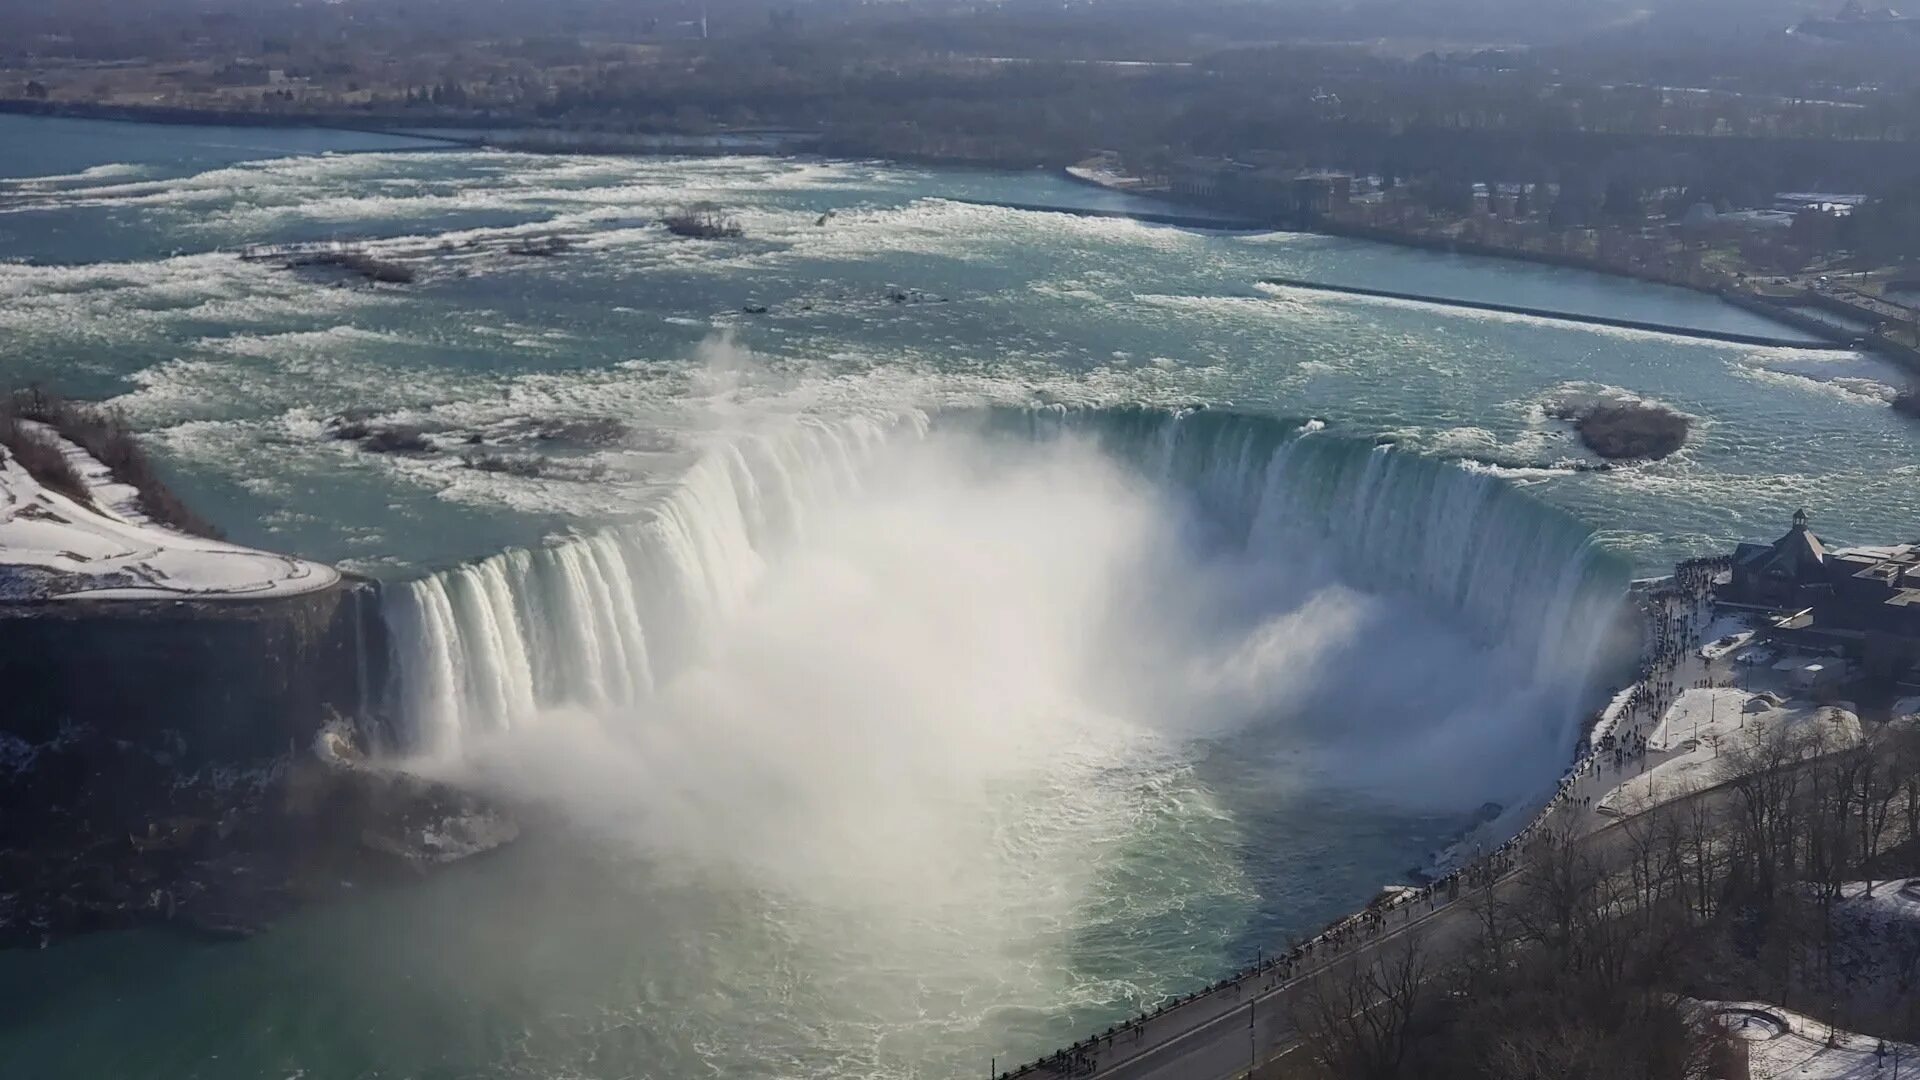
(703, 221)
(1627, 430)
(42, 458)
(109, 438)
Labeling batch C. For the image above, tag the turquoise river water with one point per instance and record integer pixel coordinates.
(904, 675)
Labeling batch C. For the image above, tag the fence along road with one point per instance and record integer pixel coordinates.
(1246, 1023)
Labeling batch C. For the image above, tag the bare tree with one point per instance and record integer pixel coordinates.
(1358, 1019)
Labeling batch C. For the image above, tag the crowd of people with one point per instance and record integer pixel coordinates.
(1616, 744)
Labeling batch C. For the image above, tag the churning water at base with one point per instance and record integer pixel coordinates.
(947, 735)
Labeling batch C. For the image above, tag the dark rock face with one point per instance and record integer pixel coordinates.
(201, 682)
(202, 764)
(223, 851)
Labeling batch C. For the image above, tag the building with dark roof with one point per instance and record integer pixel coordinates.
(1773, 575)
(1862, 603)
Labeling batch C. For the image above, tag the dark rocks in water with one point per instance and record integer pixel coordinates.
(536, 466)
(397, 440)
(1907, 402)
(912, 296)
(219, 851)
(527, 466)
(380, 438)
(416, 822)
(384, 271)
(545, 247)
(593, 431)
(1627, 430)
(754, 309)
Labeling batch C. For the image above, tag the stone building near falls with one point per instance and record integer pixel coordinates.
(1861, 603)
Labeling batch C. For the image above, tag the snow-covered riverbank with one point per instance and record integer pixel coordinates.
(55, 547)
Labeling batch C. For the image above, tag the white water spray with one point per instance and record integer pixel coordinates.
(1305, 528)
(928, 730)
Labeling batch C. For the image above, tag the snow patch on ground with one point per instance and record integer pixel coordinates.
(1785, 1045)
(1725, 635)
(1896, 899)
(1877, 939)
(52, 547)
(1685, 747)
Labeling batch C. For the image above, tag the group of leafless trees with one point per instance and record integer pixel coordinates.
(703, 221)
(103, 433)
(1582, 964)
(1019, 84)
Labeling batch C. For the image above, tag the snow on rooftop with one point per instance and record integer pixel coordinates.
(52, 547)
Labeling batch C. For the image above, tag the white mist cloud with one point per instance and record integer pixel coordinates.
(980, 623)
(999, 717)
(927, 650)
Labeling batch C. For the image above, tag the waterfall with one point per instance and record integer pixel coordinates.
(1502, 564)
(590, 618)
(599, 618)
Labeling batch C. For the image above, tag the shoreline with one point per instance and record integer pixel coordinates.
(1774, 309)
(277, 122)
(1827, 334)
(1561, 316)
(1478, 863)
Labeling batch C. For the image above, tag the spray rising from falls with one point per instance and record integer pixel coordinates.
(1502, 565)
(591, 619)
(604, 620)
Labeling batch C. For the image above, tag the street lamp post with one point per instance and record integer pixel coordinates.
(1253, 1053)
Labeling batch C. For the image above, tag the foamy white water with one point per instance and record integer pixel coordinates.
(600, 621)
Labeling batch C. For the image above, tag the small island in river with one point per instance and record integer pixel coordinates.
(1628, 430)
